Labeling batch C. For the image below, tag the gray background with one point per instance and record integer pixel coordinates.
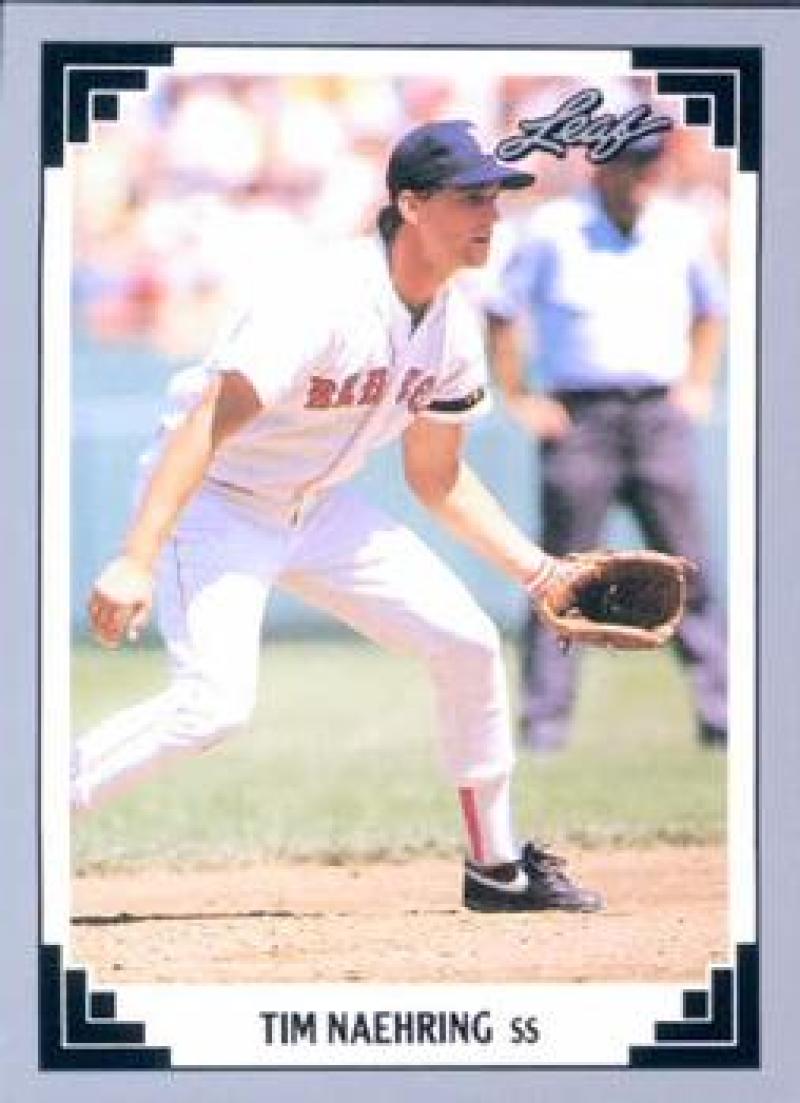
(779, 32)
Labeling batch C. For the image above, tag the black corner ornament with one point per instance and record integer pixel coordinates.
(78, 1029)
(720, 1027)
(79, 82)
(718, 84)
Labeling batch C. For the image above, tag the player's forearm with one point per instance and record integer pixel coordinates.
(228, 404)
(176, 476)
(472, 514)
(706, 344)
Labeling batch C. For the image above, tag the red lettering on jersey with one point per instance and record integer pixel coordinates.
(321, 393)
(412, 377)
(374, 387)
(347, 392)
(421, 393)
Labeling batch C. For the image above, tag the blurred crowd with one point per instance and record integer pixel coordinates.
(207, 184)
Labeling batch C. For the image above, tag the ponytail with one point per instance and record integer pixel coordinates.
(389, 221)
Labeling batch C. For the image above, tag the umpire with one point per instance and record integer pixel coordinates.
(627, 311)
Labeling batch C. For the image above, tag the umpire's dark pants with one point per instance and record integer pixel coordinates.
(634, 447)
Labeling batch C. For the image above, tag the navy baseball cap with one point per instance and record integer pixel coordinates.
(446, 155)
(643, 151)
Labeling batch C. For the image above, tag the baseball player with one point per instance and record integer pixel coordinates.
(247, 489)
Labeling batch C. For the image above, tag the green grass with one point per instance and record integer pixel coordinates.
(341, 760)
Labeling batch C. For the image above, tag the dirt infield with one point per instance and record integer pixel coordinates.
(666, 919)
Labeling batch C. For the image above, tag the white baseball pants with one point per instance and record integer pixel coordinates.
(346, 557)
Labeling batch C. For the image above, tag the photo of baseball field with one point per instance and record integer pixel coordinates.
(323, 843)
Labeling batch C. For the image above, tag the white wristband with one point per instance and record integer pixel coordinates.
(538, 582)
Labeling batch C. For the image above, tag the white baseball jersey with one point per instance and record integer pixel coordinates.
(335, 357)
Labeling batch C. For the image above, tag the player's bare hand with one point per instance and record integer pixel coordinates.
(695, 399)
(121, 601)
(540, 415)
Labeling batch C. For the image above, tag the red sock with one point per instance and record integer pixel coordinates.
(486, 807)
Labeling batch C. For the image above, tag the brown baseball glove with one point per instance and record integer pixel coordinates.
(631, 600)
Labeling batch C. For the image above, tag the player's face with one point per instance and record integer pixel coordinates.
(455, 226)
(626, 187)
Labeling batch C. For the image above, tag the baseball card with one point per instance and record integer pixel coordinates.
(400, 432)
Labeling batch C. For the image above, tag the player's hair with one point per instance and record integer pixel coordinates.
(389, 218)
(389, 221)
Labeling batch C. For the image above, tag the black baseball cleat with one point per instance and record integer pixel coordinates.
(712, 736)
(535, 882)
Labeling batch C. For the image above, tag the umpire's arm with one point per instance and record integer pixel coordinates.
(122, 597)
(447, 486)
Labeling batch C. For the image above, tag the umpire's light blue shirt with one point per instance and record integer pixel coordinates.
(610, 310)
